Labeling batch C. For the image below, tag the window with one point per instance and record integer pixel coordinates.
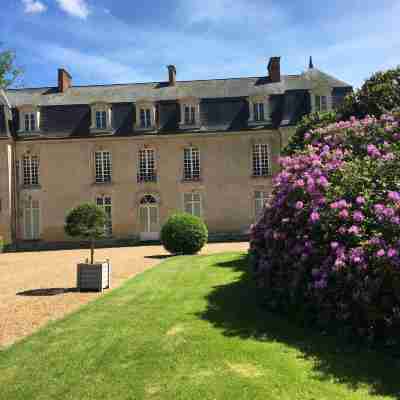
(190, 115)
(260, 159)
(30, 122)
(192, 203)
(258, 111)
(146, 168)
(321, 103)
(191, 164)
(105, 203)
(31, 219)
(103, 166)
(30, 170)
(101, 119)
(145, 118)
(101, 114)
(260, 198)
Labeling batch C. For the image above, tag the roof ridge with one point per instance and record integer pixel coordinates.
(146, 83)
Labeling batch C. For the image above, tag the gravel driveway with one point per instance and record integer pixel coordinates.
(36, 287)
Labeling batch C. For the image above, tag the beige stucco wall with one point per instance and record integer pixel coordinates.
(5, 190)
(227, 187)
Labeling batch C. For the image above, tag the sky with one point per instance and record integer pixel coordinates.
(123, 41)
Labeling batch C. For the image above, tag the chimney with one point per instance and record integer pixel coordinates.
(171, 75)
(274, 69)
(64, 80)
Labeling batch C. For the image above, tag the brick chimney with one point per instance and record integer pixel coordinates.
(274, 69)
(171, 75)
(64, 80)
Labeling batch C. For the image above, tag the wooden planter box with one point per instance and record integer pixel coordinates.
(95, 276)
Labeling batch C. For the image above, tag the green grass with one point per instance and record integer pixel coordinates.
(191, 328)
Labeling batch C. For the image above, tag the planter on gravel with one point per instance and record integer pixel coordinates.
(96, 276)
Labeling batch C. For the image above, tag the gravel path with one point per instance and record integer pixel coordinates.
(36, 287)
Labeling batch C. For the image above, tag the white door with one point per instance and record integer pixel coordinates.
(32, 220)
(148, 218)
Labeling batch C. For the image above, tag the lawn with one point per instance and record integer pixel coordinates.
(190, 328)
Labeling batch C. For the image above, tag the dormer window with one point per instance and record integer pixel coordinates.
(145, 115)
(101, 120)
(190, 113)
(101, 117)
(321, 103)
(29, 119)
(145, 118)
(258, 110)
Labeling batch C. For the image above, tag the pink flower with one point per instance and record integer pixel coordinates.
(299, 183)
(354, 230)
(360, 200)
(344, 214)
(380, 253)
(314, 216)
(392, 252)
(394, 196)
(299, 205)
(358, 216)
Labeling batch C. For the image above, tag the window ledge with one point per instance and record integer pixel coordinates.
(194, 126)
(192, 180)
(150, 129)
(147, 181)
(258, 123)
(269, 175)
(31, 187)
(103, 183)
(106, 131)
(29, 133)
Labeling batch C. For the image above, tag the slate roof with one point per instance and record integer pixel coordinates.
(159, 91)
(223, 103)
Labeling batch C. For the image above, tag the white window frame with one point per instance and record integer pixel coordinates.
(316, 99)
(147, 171)
(105, 202)
(103, 166)
(191, 164)
(29, 207)
(255, 103)
(30, 113)
(149, 109)
(103, 108)
(30, 170)
(260, 198)
(261, 160)
(189, 205)
(193, 105)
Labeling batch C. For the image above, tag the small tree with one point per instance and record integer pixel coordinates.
(9, 72)
(86, 221)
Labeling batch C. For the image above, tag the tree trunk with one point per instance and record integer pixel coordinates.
(91, 251)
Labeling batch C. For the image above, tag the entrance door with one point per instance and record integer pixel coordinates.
(31, 220)
(148, 218)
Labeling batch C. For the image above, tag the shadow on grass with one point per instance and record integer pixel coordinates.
(46, 292)
(236, 310)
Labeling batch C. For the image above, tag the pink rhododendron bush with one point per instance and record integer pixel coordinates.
(327, 246)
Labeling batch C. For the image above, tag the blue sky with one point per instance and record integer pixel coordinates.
(113, 41)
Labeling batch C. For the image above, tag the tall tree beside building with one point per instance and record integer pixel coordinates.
(9, 71)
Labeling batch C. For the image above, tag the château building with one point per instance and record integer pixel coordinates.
(145, 150)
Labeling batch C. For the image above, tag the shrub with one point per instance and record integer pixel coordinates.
(184, 234)
(86, 221)
(1, 244)
(327, 246)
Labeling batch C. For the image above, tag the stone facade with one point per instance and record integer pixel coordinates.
(61, 151)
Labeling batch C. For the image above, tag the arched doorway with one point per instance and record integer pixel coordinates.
(149, 218)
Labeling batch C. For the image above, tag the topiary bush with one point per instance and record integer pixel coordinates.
(327, 246)
(184, 234)
(86, 221)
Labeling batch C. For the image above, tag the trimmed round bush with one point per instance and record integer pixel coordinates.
(327, 248)
(184, 234)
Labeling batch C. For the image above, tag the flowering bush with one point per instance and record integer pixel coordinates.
(328, 246)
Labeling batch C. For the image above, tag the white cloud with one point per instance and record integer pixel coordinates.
(89, 67)
(76, 8)
(33, 7)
